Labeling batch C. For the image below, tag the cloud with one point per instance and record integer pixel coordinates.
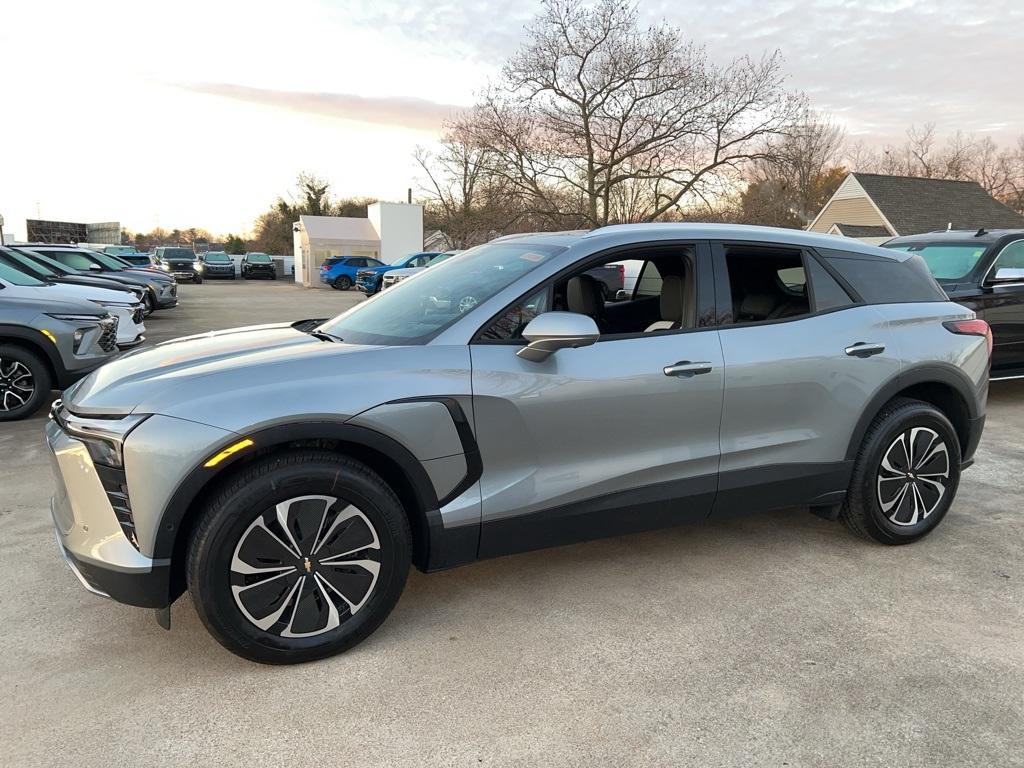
(403, 111)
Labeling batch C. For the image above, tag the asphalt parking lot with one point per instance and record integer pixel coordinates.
(772, 640)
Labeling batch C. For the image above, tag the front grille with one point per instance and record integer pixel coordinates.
(115, 484)
(108, 334)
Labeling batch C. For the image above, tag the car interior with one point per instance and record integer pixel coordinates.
(766, 284)
(663, 299)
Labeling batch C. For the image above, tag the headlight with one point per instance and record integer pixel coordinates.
(121, 304)
(104, 438)
(76, 318)
(165, 267)
(197, 266)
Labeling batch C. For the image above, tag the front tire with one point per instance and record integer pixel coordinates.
(24, 382)
(301, 555)
(906, 474)
(342, 283)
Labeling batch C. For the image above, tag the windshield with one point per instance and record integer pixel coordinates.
(439, 258)
(120, 250)
(216, 256)
(178, 253)
(16, 277)
(414, 311)
(258, 258)
(25, 264)
(946, 261)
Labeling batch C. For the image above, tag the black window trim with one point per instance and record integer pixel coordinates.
(983, 282)
(703, 274)
(723, 287)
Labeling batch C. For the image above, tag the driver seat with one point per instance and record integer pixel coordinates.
(675, 305)
(583, 295)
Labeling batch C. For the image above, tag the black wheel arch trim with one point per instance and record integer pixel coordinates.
(439, 547)
(933, 373)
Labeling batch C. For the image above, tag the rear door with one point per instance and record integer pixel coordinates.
(602, 439)
(802, 359)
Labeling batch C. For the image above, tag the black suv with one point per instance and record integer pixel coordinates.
(984, 271)
(258, 265)
(179, 261)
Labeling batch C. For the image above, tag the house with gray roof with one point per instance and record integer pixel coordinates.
(874, 208)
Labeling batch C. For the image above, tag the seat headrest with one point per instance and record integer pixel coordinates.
(758, 305)
(583, 295)
(672, 300)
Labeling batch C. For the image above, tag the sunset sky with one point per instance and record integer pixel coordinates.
(199, 113)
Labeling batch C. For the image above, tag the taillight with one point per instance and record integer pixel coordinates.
(975, 327)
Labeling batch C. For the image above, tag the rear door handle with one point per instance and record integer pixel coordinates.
(863, 349)
(685, 369)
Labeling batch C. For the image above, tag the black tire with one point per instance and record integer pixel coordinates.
(197, 280)
(252, 494)
(25, 382)
(922, 506)
(342, 283)
(148, 302)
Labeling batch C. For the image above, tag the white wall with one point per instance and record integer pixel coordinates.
(300, 262)
(400, 226)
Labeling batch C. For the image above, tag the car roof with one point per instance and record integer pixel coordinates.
(617, 234)
(958, 236)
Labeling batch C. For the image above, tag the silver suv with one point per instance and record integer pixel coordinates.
(48, 343)
(497, 404)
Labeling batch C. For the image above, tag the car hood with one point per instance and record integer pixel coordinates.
(151, 379)
(243, 379)
(85, 292)
(406, 271)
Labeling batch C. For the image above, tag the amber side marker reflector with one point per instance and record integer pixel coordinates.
(49, 335)
(216, 459)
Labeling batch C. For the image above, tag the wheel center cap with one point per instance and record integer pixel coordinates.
(307, 565)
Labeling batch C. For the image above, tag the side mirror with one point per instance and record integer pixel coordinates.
(622, 295)
(1008, 275)
(552, 331)
(95, 267)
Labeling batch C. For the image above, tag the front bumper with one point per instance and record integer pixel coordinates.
(167, 296)
(89, 535)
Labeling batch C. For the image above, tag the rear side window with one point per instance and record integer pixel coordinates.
(883, 281)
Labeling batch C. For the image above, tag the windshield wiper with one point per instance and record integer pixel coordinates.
(325, 336)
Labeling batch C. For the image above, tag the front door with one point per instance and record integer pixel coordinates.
(598, 440)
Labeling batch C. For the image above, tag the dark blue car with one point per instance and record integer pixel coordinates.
(340, 271)
(369, 280)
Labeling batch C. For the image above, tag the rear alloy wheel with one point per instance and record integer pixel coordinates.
(342, 283)
(906, 475)
(302, 556)
(24, 382)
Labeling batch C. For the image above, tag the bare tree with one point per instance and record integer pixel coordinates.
(630, 124)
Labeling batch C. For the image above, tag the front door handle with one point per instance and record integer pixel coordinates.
(685, 369)
(863, 349)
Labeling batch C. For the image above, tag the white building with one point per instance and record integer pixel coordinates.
(389, 231)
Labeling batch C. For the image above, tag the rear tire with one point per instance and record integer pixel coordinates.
(266, 603)
(906, 474)
(342, 283)
(25, 382)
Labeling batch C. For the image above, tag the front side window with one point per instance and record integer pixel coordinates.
(414, 311)
(1011, 257)
(73, 259)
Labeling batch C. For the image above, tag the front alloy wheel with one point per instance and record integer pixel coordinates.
(306, 566)
(24, 382)
(301, 555)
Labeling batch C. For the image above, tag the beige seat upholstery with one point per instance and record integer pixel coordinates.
(583, 295)
(675, 304)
